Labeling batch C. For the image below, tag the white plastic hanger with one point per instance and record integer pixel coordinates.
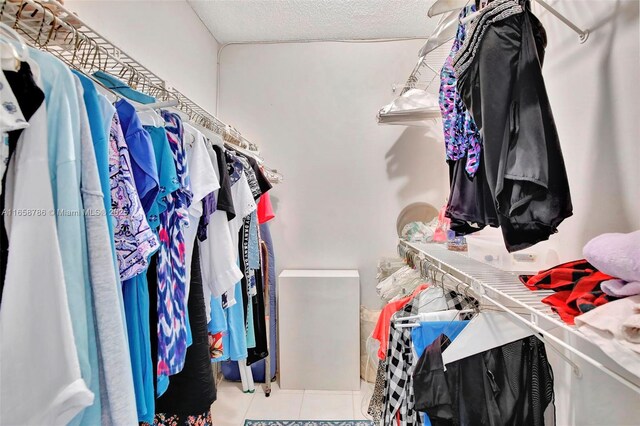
(415, 320)
(485, 331)
(445, 31)
(190, 134)
(13, 48)
(150, 117)
(444, 6)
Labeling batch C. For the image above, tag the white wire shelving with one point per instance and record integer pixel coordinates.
(50, 26)
(504, 290)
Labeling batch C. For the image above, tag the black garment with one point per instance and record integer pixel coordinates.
(261, 350)
(500, 81)
(152, 284)
(260, 185)
(30, 98)
(263, 182)
(470, 205)
(511, 385)
(192, 391)
(430, 386)
(225, 199)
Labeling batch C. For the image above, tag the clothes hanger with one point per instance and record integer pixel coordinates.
(15, 44)
(444, 6)
(413, 321)
(485, 331)
(445, 30)
(190, 134)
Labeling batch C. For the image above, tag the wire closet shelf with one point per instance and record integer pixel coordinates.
(48, 25)
(503, 289)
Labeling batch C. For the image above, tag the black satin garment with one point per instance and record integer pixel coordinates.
(504, 91)
(470, 205)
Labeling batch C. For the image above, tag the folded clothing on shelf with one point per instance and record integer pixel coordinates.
(615, 254)
(577, 287)
(615, 328)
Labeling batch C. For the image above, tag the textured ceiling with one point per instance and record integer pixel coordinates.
(280, 20)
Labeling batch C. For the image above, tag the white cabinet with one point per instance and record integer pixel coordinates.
(319, 329)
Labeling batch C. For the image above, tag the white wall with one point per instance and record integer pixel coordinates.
(311, 108)
(595, 95)
(165, 36)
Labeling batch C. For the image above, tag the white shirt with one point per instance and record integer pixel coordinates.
(203, 182)
(36, 387)
(218, 253)
(244, 204)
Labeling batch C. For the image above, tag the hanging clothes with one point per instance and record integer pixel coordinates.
(63, 135)
(135, 242)
(461, 137)
(508, 385)
(42, 311)
(192, 391)
(29, 98)
(117, 210)
(220, 271)
(204, 183)
(117, 399)
(172, 320)
(500, 81)
(399, 398)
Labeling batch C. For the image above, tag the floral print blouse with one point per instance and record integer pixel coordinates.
(134, 239)
(461, 135)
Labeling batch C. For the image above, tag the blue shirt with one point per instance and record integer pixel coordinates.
(426, 334)
(143, 160)
(137, 305)
(167, 175)
(99, 134)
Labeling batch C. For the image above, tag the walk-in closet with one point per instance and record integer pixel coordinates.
(319, 213)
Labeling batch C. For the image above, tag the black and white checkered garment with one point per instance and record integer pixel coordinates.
(460, 302)
(399, 399)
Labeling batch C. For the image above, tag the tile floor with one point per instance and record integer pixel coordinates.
(233, 406)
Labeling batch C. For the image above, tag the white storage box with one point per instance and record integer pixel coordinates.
(488, 246)
(319, 330)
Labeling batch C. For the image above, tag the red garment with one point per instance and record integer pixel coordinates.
(265, 210)
(381, 332)
(216, 350)
(577, 287)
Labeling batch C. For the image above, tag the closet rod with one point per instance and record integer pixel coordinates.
(443, 6)
(48, 25)
(583, 34)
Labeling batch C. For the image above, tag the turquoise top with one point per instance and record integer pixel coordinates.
(63, 127)
(167, 175)
(120, 87)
